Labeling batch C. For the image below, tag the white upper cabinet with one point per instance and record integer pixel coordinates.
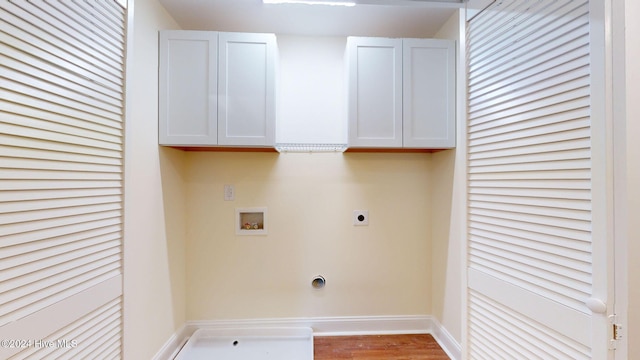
(428, 95)
(188, 88)
(401, 93)
(246, 89)
(217, 89)
(375, 92)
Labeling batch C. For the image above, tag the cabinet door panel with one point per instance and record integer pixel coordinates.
(188, 88)
(246, 109)
(428, 93)
(375, 92)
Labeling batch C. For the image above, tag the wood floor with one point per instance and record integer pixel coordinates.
(387, 347)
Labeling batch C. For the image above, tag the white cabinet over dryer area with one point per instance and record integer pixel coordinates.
(217, 89)
(401, 93)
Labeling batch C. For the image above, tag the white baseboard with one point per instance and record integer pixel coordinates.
(333, 326)
(174, 344)
(446, 341)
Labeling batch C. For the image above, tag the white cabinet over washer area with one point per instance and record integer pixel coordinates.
(217, 89)
(401, 93)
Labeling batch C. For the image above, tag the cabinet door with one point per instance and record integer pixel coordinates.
(188, 88)
(375, 92)
(429, 93)
(246, 89)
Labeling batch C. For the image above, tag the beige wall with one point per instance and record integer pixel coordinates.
(403, 263)
(154, 281)
(183, 260)
(380, 269)
(447, 216)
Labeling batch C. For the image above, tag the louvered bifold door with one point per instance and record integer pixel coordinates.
(530, 219)
(61, 181)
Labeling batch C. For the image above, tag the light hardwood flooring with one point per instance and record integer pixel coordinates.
(383, 347)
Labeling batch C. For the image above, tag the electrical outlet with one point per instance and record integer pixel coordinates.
(229, 193)
(360, 217)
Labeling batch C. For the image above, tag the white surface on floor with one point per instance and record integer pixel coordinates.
(249, 344)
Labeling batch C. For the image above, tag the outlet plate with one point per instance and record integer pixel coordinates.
(229, 193)
(360, 217)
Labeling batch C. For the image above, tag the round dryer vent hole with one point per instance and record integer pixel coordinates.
(318, 282)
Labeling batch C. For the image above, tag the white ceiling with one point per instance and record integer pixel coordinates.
(405, 18)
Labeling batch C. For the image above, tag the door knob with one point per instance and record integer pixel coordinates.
(596, 306)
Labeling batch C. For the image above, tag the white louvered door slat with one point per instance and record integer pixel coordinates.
(52, 26)
(61, 177)
(25, 31)
(530, 182)
(36, 48)
(19, 98)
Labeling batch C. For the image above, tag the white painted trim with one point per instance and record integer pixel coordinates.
(621, 14)
(127, 219)
(463, 185)
(175, 343)
(602, 181)
(546, 312)
(47, 321)
(331, 326)
(446, 341)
